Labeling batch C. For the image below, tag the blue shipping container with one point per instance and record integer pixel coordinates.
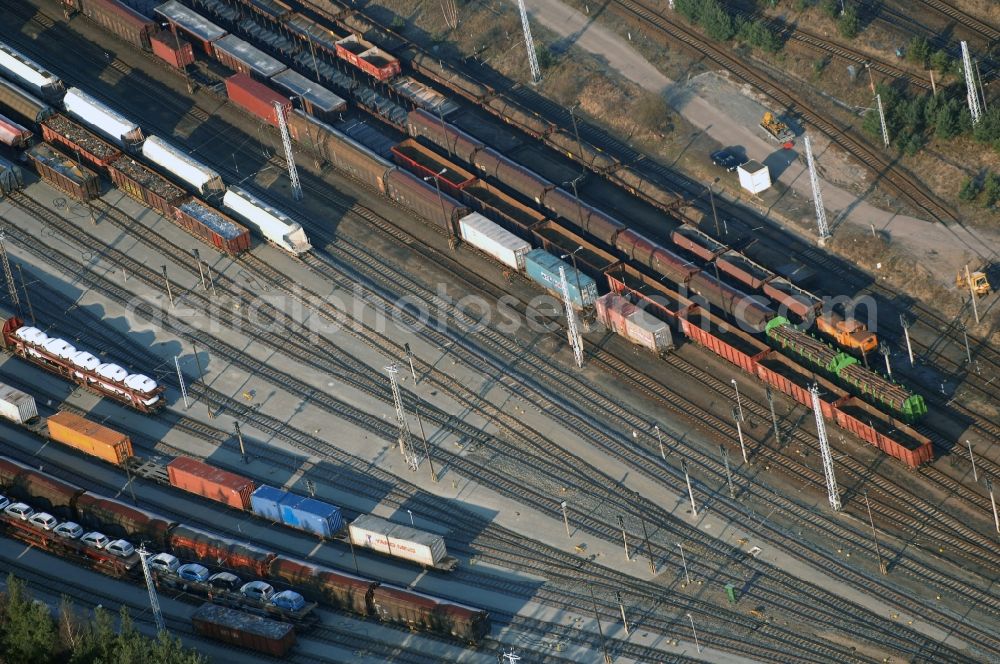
(311, 515)
(543, 268)
(266, 502)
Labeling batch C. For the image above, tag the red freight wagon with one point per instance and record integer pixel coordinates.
(628, 282)
(212, 227)
(559, 241)
(427, 164)
(500, 207)
(210, 482)
(81, 142)
(146, 186)
(243, 629)
(725, 341)
(63, 173)
(172, 49)
(788, 377)
(791, 297)
(117, 519)
(195, 544)
(13, 134)
(367, 57)
(256, 97)
(744, 270)
(116, 18)
(339, 589)
(884, 432)
(698, 243)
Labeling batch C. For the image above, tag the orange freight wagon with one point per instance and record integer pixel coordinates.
(211, 482)
(90, 437)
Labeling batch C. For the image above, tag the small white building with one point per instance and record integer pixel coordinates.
(754, 176)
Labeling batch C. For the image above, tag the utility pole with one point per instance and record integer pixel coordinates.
(405, 439)
(529, 43)
(11, 287)
(600, 629)
(621, 605)
(695, 632)
(565, 517)
(878, 552)
(166, 280)
(739, 402)
(993, 502)
(239, 438)
(154, 601)
(884, 349)
(645, 536)
(774, 416)
(621, 524)
(423, 438)
(684, 562)
(201, 271)
(972, 90)
(881, 117)
(965, 335)
(715, 215)
(739, 433)
(905, 323)
(452, 240)
(286, 142)
(972, 290)
(824, 229)
(571, 325)
(972, 458)
(27, 298)
(729, 475)
(659, 441)
(572, 256)
(180, 379)
(687, 478)
(824, 449)
(409, 358)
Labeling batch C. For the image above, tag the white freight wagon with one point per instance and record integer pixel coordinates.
(102, 119)
(16, 405)
(172, 160)
(493, 240)
(400, 541)
(272, 224)
(21, 69)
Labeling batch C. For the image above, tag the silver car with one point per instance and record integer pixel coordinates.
(19, 511)
(69, 530)
(44, 520)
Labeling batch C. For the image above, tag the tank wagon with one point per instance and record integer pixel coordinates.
(275, 226)
(23, 105)
(25, 72)
(340, 590)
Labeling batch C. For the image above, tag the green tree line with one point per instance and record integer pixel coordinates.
(30, 634)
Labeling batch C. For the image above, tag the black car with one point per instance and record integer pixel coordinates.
(727, 159)
(225, 581)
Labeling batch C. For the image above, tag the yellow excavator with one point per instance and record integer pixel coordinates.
(974, 281)
(776, 128)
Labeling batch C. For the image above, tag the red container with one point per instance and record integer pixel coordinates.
(116, 18)
(79, 141)
(172, 49)
(195, 544)
(884, 432)
(789, 378)
(256, 97)
(117, 519)
(13, 134)
(146, 186)
(320, 584)
(63, 173)
(210, 482)
(244, 630)
(427, 164)
(700, 244)
(212, 227)
(730, 344)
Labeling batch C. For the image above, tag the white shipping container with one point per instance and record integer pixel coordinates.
(491, 239)
(272, 224)
(648, 331)
(21, 68)
(397, 540)
(175, 161)
(102, 119)
(754, 176)
(16, 405)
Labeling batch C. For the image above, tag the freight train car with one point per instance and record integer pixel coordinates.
(245, 630)
(62, 358)
(256, 98)
(63, 173)
(12, 134)
(79, 142)
(240, 56)
(118, 19)
(89, 437)
(22, 105)
(314, 98)
(145, 185)
(275, 226)
(102, 119)
(11, 178)
(182, 166)
(172, 49)
(28, 74)
(202, 32)
(16, 405)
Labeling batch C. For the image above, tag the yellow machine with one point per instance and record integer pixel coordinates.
(980, 285)
(776, 128)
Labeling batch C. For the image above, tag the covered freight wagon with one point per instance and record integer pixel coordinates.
(16, 405)
(243, 629)
(27, 73)
(23, 105)
(211, 226)
(202, 31)
(210, 482)
(256, 98)
(629, 321)
(102, 119)
(424, 199)
(240, 56)
(146, 186)
(493, 240)
(118, 19)
(543, 268)
(89, 437)
(399, 541)
(63, 173)
(181, 165)
(275, 226)
(299, 512)
(315, 99)
(79, 142)
(172, 49)
(339, 150)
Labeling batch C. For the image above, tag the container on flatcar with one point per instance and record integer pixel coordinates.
(420, 123)
(117, 19)
(210, 482)
(212, 226)
(493, 240)
(13, 134)
(424, 199)
(145, 185)
(240, 56)
(315, 99)
(543, 268)
(176, 162)
(30, 75)
(203, 32)
(16, 405)
(65, 174)
(99, 117)
(299, 512)
(11, 177)
(244, 629)
(427, 164)
(629, 321)
(23, 105)
(275, 226)
(397, 540)
(89, 437)
(172, 49)
(79, 141)
(256, 97)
